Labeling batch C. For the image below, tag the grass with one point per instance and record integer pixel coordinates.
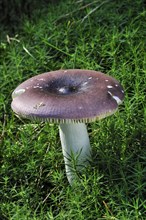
(101, 35)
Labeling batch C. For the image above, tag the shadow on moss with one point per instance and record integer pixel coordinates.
(12, 11)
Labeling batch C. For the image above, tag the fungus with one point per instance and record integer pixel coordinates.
(70, 98)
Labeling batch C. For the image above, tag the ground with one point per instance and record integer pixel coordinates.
(107, 36)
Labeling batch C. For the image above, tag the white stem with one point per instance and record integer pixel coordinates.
(76, 148)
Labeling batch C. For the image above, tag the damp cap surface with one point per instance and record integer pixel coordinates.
(66, 96)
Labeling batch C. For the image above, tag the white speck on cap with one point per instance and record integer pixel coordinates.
(17, 93)
(62, 89)
(109, 86)
(36, 87)
(85, 83)
(41, 79)
(118, 100)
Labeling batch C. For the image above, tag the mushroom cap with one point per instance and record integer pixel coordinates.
(72, 95)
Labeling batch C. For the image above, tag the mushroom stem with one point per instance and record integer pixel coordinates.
(76, 148)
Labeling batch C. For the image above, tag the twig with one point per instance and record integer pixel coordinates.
(62, 51)
(106, 206)
(94, 10)
(81, 8)
(9, 39)
(26, 50)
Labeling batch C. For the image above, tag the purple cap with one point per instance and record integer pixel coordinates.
(72, 95)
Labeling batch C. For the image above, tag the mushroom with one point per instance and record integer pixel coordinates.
(71, 98)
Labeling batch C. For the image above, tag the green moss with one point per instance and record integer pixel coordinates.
(99, 35)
